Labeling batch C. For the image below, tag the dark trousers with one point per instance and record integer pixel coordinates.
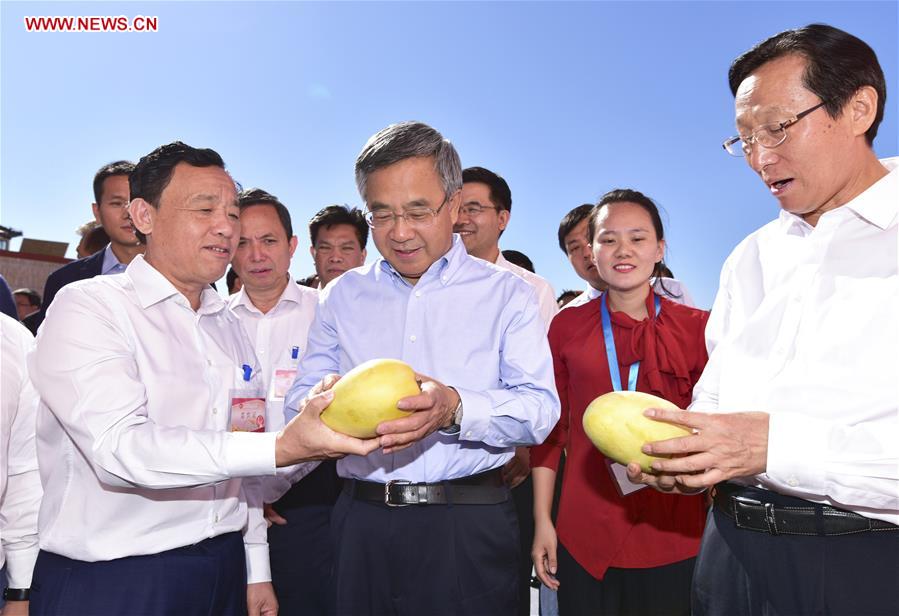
(523, 496)
(655, 591)
(743, 572)
(205, 579)
(438, 560)
(301, 551)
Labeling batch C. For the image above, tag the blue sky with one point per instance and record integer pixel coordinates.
(566, 100)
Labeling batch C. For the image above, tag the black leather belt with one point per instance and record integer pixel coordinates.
(482, 489)
(806, 518)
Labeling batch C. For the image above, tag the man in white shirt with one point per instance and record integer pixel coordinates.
(338, 236)
(138, 375)
(276, 314)
(795, 416)
(485, 213)
(20, 484)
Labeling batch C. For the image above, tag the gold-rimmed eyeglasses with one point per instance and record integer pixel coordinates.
(767, 135)
(417, 216)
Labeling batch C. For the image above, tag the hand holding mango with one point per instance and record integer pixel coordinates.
(367, 395)
(615, 423)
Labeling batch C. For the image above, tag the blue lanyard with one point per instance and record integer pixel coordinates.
(612, 354)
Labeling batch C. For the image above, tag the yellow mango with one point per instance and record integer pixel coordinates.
(616, 425)
(367, 395)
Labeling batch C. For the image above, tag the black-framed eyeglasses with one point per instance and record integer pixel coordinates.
(417, 216)
(767, 135)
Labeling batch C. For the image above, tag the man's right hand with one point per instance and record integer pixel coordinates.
(306, 438)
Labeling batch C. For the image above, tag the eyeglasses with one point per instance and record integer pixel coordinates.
(418, 216)
(767, 135)
(476, 209)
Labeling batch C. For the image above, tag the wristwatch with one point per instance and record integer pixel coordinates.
(456, 426)
(16, 594)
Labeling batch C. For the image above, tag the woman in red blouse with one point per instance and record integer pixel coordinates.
(609, 553)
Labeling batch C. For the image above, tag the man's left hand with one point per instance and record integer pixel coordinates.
(433, 409)
(517, 468)
(723, 446)
(15, 608)
(261, 600)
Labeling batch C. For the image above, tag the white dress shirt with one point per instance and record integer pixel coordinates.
(133, 442)
(546, 297)
(274, 334)
(806, 328)
(20, 483)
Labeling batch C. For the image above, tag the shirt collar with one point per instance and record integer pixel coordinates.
(152, 287)
(443, 268)
(111, 263)
(877, 204)
(291, 293)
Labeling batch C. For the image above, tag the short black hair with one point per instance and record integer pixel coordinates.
(500, 193)
(520, 259)
(339, 215)
(566, 296)
(95, 240)
(571, 220)
(119, 167)
(34, 298)
(230, 278)
(257, 196)
(838, 64)
(154, 171)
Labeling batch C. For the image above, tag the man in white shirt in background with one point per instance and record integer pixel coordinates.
(338, 236)
(485, 213)
(143, 505)
(276, 314)
(795, 416)
(20, 483)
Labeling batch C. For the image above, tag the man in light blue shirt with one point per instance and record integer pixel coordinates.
(476, 332)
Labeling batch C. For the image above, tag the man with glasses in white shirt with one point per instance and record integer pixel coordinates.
(138, 373)
(795, 417)
(276, 314)
(426, 525)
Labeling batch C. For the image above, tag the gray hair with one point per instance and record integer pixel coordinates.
(406, 140)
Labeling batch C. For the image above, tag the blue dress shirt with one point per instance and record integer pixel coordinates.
(111, 263)
(468, 324)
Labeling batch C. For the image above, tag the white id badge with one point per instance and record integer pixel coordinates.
(619, 474)
(281, 382)
(247, 411)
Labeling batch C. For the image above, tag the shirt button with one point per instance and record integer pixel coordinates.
(216, 518)
(412, 338)
(793, 482)
(208, 362)
(215, 411)
(418, 294)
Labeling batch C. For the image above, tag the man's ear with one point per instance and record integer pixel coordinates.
(96, 210)
(504, 216)
(862, 108)
(293, 245)
(142, 215)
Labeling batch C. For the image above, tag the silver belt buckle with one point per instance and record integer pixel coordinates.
(402, 482)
